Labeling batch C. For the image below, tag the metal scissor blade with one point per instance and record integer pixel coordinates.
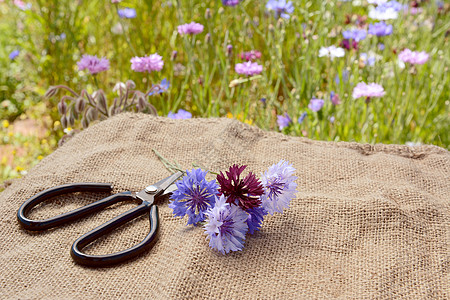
(172, 188)
(166, 182)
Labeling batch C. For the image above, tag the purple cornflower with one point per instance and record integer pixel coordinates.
(279, 187)
(194, 196)
(350, 44)
(230, 2)
(14, 54)
(355, 34)
(413, 57)
(159, 88)
(380, 29)
(226, 226)
(93, 64)
(248, 68)
(368, 90)
(181, 114)
(334, 98)
(281, 8)
(316, 104)
(302, 118)
(251, 55)
(283, 121)
(190, 28)
(127, 13)
(149, 63)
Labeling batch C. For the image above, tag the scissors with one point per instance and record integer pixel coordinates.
(145, 198)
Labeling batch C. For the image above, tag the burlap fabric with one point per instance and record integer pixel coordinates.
(369, 222)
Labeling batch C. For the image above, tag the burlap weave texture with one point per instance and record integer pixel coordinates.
(369, 222)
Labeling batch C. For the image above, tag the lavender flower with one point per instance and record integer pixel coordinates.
(127, 13)
(413, 57)
(316, 104)
(14, 54)
(283, 121)
(191, 28)
(281, 8)
(380, 29)
(226, 226)
(194, 196)
(149, 63)
(248, 68)
(302, 118)
(230, 2)
(93, 64)
(160, 88)
(355, 34)
(181, 114)
(331, 52)
(368, 90)
(279, 187)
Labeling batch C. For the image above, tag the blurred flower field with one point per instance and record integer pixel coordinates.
(371, 71)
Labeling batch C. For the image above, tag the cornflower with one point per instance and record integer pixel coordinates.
(149, 63)
(127, 13)
(331, 52)
(281, 8)
(181, 114)
(413, 57)
(248, 68)
(355, 34)
(190, 28)
(283, 121)
(14, 54)
(315, 104)
(230, 2)
(380, 29)
(368, 90)
(251, 55)
(93, 64)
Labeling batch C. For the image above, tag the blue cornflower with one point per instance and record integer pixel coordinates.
(159, 88)
(127, 13)
(279, 187)
(281, 8)
(355, 35)
(283, 121)
(14, 54)
(302, 118)
(181, 114)
(226, 226)
(194, 196)
(255, 218)
(380, 29)
(230, 2)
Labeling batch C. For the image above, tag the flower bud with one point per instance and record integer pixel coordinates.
(101, 102)
(130, 84)
(71, 120)
(84, 122)
(174, 55)
(208, 14)
(280, 23)
(229, 50)
(51, 92)
(142, 103)
(271, 28)
(91, 114)
(221, 10)
(62, 107)
(207, 38)
(80, 105)
(63, 121)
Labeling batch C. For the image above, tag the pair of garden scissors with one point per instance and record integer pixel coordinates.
(145, 198)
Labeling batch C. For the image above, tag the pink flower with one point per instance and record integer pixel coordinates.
(191, 28)
(251, 55)
(413, 57)
(149, 63)
(368, 90)
(93, 64)
(22, 5)
(248, 68)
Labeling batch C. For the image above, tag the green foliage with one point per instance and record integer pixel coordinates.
(53, 35)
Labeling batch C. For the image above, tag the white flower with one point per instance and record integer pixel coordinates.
(383, 13)
(331, 52)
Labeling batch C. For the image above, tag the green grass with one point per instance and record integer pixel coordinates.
(414, 109)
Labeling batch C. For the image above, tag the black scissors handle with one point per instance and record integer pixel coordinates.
(79, 244)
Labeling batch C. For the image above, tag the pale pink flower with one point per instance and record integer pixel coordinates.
(149, 63)
(190, 28)
(413, 57)
(93, 64)
(248, 68)
(368, 90)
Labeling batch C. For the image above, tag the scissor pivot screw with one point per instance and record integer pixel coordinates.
(151, 189)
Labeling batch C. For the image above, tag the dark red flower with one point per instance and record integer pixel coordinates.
(243, 192)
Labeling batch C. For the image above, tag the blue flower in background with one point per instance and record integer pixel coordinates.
(160, 88)
(316, 104)
(283, 121)
(194, 196)
(355, 35)
(127, 13)
(380, 29)
(281, 8)
(181, 114)
(226, 226)
(302, 118)
(230, 2)
(14, 54)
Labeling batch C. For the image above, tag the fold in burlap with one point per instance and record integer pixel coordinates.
(368, 221)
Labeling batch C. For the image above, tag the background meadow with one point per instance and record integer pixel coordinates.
(42, 41)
